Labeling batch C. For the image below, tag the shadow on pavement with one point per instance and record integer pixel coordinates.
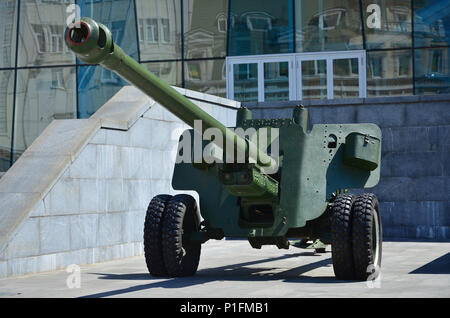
(233, 272)
(440, 265)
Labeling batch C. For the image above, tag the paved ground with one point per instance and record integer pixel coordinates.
(233, 269)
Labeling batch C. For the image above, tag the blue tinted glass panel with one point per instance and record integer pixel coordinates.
(118, 16)
(6, 109)
(432, 71)
(43, 94)
(431, 23)
(8, 26)
(96, 85)
(261, 27)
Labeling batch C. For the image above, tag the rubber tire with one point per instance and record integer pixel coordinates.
(320, 250)
(153, 235)
(365, 209)
(341, 237)
(181, 257)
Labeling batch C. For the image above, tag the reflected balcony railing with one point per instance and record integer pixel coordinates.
(396, 26)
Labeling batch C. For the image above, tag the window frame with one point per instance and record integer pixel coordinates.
(295, 70)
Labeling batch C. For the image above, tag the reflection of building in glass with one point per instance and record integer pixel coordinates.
(261, 27)
(431, 24)
(42, 94)
(345, 78)
(329, 26)
(6, 100)
(186, 43)
(205, 27)
(7, 60)
(276, 81)
(389, 73)
(40, 41)
(159, 30)
(314, 79)
(95, 84)
(246, 82)
(432, 71)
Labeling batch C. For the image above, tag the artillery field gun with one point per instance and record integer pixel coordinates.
(296, 192)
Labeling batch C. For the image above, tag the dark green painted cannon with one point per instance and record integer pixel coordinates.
(294, 196)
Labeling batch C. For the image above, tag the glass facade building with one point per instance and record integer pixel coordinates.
(250, 50)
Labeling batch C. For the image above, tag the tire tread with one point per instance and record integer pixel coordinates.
(180, 216)
(363, 212)
(341, 237)
(153, 235)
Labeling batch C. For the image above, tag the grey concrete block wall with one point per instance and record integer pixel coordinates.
(414, 189)
(93, 198)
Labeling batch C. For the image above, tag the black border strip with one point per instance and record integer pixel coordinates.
(220, 307)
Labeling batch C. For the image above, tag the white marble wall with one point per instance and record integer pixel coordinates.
(95, 210)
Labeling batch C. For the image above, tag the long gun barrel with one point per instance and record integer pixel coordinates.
(93, 43)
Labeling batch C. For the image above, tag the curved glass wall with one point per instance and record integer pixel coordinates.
(185, 42)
